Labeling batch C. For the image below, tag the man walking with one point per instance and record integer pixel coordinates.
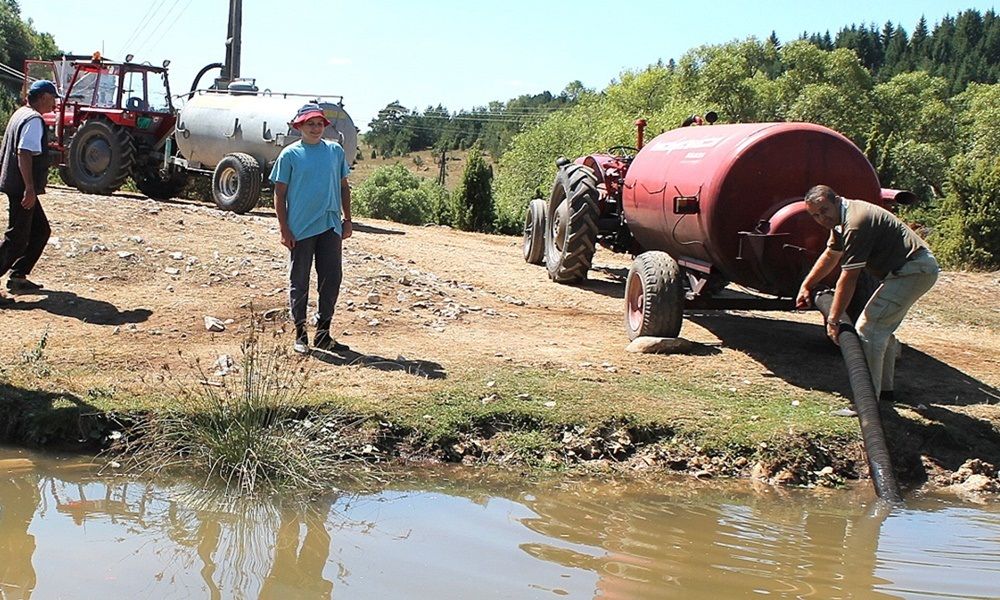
(312, 199)
(24, 171)
(866, 236)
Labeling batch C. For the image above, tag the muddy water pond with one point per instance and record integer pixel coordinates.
(66, 532)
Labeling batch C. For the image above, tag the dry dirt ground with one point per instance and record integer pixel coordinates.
(129, 282)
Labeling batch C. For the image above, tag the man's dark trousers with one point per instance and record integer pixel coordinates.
(27, 233)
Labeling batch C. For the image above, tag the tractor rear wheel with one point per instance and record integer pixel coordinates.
(534, 232)
(153, 186)
(571, 224)
(654, 296)
(100, 157)
(236, 183)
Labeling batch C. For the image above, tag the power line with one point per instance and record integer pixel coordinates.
(172, 23)
(142, 23)
(157, 28)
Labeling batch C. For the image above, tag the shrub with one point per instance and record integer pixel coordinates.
(395, 194)
(439, 202)
(968, 233)
(473, 199)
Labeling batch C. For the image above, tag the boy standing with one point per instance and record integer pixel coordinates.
(312, 199)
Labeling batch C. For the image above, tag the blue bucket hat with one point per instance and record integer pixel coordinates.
(42, 86)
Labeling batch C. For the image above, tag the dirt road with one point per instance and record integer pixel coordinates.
(130, 281)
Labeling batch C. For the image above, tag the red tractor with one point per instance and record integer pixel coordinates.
(113, 122)
(699, 207)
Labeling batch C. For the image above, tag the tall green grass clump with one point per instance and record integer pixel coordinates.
(247, 431)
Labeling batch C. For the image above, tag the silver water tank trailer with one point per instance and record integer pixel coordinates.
(238, 133)
(213, 124)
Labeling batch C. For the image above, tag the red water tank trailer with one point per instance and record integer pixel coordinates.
(726, 199)
(699, 207)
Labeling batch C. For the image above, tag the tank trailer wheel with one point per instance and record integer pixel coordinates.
(654, 296)
(236, 183)
(100, 157)
(571, 224)
(534, 233)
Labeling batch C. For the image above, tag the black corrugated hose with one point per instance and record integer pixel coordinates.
(865, 403)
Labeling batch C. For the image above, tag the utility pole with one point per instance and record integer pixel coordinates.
(442, 172)
(234, 42)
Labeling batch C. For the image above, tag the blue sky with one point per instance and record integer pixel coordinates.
(458, 53)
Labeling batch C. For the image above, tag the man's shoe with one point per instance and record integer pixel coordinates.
(324, 341)
(22, 284)
(301, 345)
(5, 300)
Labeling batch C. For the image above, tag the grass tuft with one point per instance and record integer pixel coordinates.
(245, 429)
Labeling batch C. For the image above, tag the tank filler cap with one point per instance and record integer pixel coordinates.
(243, 86)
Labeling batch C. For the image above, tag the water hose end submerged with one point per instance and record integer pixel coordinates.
(865, 403)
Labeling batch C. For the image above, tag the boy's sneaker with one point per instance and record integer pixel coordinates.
(22, 284)
(5, 299)
(324, 341)
(301, 345)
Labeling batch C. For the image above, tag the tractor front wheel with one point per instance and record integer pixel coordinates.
(236, 183)
(534, 233)
(100, 157)
(571, 224)
(654, 296)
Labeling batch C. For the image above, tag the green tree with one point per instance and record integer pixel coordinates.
(473, 204)
(18, 41)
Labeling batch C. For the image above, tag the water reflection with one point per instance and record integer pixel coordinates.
(65, 532)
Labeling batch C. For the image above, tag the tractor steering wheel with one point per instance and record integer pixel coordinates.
(623, 151)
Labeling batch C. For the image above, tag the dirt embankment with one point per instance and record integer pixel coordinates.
(453, 330)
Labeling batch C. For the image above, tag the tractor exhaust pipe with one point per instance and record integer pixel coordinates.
(866, 404)
(640, 125)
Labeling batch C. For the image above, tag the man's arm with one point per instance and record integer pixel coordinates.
(345, 202)
(25, 161)
(842, 294)
(824, 265)
(281, 210)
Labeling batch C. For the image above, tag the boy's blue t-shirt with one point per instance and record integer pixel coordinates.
(312, 173)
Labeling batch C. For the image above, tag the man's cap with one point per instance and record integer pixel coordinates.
(307, 112)
(42, 86)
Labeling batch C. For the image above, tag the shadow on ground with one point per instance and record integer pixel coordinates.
(800, 354)
(418, 368)
(612, 285)
(39, 417)
(88, 310)
(362, 228)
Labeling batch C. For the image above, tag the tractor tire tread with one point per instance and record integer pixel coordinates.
(580, 186)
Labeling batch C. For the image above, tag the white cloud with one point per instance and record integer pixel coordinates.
(338, 61)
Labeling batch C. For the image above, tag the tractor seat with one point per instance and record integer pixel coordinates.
(135, 103)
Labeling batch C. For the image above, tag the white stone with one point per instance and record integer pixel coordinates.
(214, 324)
(660, 345)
